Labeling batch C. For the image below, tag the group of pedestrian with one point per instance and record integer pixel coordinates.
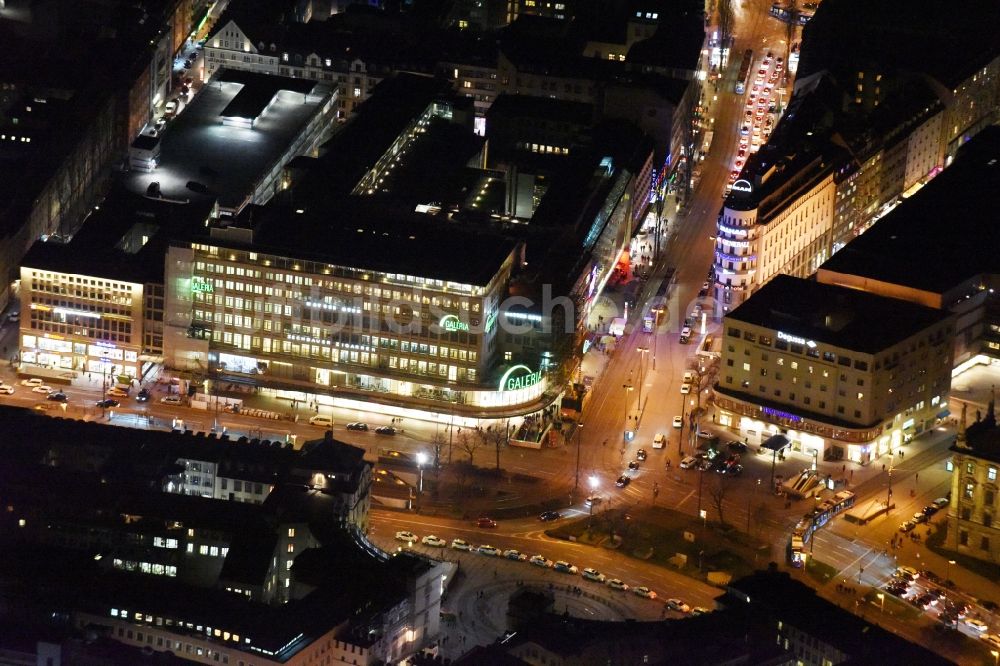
(846, 589)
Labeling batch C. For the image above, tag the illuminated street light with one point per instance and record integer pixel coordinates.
(422, 459)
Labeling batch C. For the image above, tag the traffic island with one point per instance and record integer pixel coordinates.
(703, 550)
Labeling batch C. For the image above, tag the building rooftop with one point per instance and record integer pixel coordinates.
(258, 91)
(920, 36)
(949, 220)
(228, 161)
(982, 436)
(841, 317)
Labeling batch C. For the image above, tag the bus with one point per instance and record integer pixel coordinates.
(707, 143)
(814, 520)
(744, 75)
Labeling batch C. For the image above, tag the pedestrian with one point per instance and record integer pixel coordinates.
(844, 470)
(852, 475)
(883, 467)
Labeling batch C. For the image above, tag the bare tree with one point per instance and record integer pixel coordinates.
(438, 440)
(468, 443)
(718, 495)
(494, 436)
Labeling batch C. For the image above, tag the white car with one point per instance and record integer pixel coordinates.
(320, 420)
(975, 625)
(459, 544)
(689, 462)
(616, 584)
(659, 441)
(34, 381)
(41, 388)
(171, 400)
(685, 389)
(486, 549)
(515, 555)
(115, 392)
(562, 566)
(644, 592)
(6, 388)
(678, 421)
(678, 605)
(407, 537)
(434, 541)
(594, 575)
(908, 571)
(540, 561)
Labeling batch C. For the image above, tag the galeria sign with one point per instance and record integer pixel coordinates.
(518, 377)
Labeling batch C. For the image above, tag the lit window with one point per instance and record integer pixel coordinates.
(991, 473)
(291, 532)
(291, 548)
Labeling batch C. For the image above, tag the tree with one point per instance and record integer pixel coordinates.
(494, 436)
(438, 440)
(468, 443)
(718, 495)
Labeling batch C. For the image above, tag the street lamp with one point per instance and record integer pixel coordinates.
(881, 600)
(628, 387)
(422, 459)
(996, 656)
(950, 562)
(105, 363)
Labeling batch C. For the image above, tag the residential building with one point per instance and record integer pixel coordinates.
(975, 460)
(843, 374)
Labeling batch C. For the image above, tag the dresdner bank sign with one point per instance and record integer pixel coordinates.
(519, 377)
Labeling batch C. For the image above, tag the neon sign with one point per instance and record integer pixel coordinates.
(794, 339)
(511, 383)
(200, 284)
(491, 320)
(452, 323)
(743, 185)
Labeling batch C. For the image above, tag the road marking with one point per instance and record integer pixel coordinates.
(685, 499)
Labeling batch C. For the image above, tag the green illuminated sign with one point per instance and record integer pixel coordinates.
(490, 321)
(452, 323)
(199, 284)
(510, 382)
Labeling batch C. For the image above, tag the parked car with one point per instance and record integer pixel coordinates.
(929, 510)
(563, 566)
(685, 389)
(41, 388)
(434, 541)
(644, 592)
(678, 421)
(689, 462)
(700, 610)
(6, 389)
(678, 605)
(486, 523)
(941, 502)
(546, 516)
(515, 555)
(491, 551)
(321, 420)
(541, 561)
(919, 517)
(736, 446)
(616, 584)
(907, 526)
(460, 544)
(976, 625)
(171, 400)
(357, 425)
(385, 430)
(593, 574)
(406, 537)
(33, 381)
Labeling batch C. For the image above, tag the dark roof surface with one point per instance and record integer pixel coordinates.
(834, 315)
(983, 436)
(258, 91)
(942, 235)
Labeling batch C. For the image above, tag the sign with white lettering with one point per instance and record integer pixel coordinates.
(743, 185)
(452, 323)
(794, 339)
(518, 377)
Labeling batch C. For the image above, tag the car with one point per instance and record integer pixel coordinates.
(34, 381)
(593, 574)
(659, 441)
(7, 389)
(929, 510)
(678, 605)
(976, 625)
(14, 317)
(486, 523)
(993, 640)
(744, 131)
(434, 541)
(644, 592)
(116, 392)
(107, 403)
(616, 584)
(321, 420)
(689, 462)
(633, 465)
(919, 517)
(546, 516)
(142, 395)
(733, 470)
(357, 425)
(385, 430)
(407, 537)
(541, 561)
(460, 544)
(907, 571)
(562, 566)
(593, 500)
(940, 502)
(489, 550)
(41, 388)
(907, 526)
(623, 481)
(678, 421)
(736, 446)
(171, 400)
(700, 610)
(57, 396)
(685, 389)
(738, 163)
(515, 555)
(640, 454)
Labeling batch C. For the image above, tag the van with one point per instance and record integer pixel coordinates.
(688, 378)
(320, 420)
(171, 109)
(659, 441)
